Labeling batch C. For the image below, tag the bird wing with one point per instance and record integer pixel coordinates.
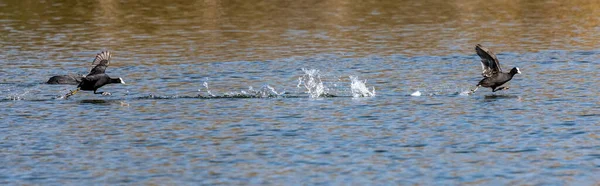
(489, 63)
(98, 69)
(102, 58)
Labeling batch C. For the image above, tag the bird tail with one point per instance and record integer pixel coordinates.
(102, 58)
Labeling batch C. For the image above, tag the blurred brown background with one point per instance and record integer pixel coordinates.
(212, 30)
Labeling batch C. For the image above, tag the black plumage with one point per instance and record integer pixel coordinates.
(492, 72)
(66, 79)
(94, 82)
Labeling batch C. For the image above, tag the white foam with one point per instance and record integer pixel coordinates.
(264, 92)
(207, 89)
(359, 88)
(18, 95)
(311, 80)
(465, 93)
(273, 91)
(417, 93)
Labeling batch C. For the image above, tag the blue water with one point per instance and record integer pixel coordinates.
(164, 127)
(242, 93)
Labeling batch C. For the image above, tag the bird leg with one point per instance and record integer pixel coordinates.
(500, 88)
(72, 92)
(477, 87)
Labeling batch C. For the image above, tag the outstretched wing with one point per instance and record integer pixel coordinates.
(102, 58)
(98, 69)
(489, 62)
(101, 61)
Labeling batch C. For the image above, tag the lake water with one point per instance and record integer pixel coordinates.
(300, 93)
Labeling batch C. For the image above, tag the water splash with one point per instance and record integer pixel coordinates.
(359, 88)
(311, 80)
(440, 90)
(417, 93)
(17, 95)
(265, 91)
(62, 96)
(205, 84)
(465, 93)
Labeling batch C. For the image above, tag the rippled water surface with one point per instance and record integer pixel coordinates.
(300, 93)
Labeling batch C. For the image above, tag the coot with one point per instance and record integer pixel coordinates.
(66, 79)
(101, 61)
(94, 82)
(97, 76)
(492, 73)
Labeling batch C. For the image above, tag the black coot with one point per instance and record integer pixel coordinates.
(94, 82)
(97, 77)
(66, 79)
(492, 73)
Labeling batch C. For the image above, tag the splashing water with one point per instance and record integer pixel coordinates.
(440, 90)
(417, 93)
(311, 80)
(264, 92)
(207, 89)
(273, 91)
(359, 88)
(17, 95)
(465, 93)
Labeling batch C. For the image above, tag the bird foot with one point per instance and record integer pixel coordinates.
(503, 88)
(500, 88)
(106, 93)
(71, 92)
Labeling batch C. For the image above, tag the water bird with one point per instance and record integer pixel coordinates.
(97, 76)
(66, 79)
(493, 77)
(94, 82)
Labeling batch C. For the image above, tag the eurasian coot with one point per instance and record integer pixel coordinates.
(94, 82)
(97, 76)
(492, 73)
